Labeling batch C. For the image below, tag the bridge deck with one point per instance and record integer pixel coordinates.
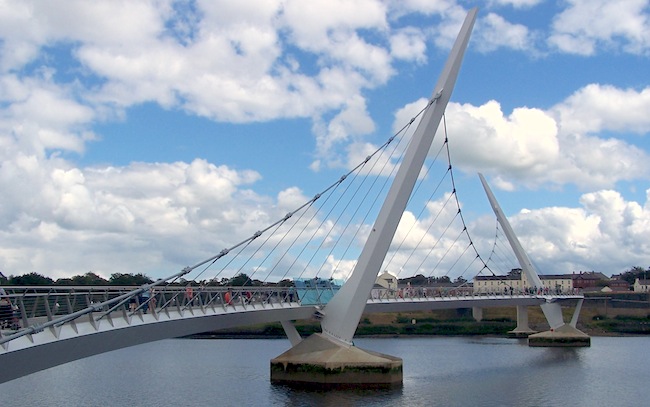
(50, 337)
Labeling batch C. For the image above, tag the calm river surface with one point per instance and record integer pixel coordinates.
(437, 372)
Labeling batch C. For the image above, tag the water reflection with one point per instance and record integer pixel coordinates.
(555, 356)
(437, 372)
(296, 396)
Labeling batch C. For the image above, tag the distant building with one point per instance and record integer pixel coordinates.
(387, 280)
(385, 286)
(641, 286)
(516, 282)
(589, 281)
(618, 285)
(497, 284)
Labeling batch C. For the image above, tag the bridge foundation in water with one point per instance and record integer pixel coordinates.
(522, 330)
(566, 336)
(322, 362)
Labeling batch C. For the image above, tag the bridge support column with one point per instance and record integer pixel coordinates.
(477, 313)
(561, 335)
(320, 361)
(522, 330)
(330, 358)
(292, 332)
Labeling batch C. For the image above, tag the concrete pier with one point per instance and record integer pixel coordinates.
(522, 330)
(564, 336)
(321, 362)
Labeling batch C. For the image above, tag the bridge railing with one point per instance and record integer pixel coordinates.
(32, 309)
(35, 308)
(431, 292)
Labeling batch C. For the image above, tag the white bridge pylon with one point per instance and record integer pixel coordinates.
(341, 316)
(552, 310)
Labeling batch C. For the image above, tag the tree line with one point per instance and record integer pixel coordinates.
(635, 272)
(242, 279)
(89, 278)
(124, 279)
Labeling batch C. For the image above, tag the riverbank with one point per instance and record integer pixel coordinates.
(594, 321)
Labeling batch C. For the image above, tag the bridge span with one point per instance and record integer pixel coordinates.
(50, 336)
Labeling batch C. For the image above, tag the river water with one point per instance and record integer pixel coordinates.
(438, 371)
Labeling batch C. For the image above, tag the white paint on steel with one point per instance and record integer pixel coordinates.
(343, 312)
(552, 311)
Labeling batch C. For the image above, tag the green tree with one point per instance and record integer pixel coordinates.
(64, 281)
(129, 279)
(286, 283)
(460, 280)
(30, 279)
(635, 272)
(241, 279)
(417, 280)
(89, 278)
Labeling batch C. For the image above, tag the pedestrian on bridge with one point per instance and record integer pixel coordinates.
(6, 309)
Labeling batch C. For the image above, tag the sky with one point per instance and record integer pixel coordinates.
(144, 136)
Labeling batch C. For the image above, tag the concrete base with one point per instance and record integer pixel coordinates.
(322, 362)
(564, 336)
(522, 330)
(520, 333)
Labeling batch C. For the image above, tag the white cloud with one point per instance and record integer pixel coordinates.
(588, 24)
(43, 115)
(245, 62)
(409, 44)
(597, 108)
(313, 23)
(422, 6)
(559, 146)
(350, 123)
(330, 29)
(154, 207)
(525, 142)
(495, 32)
(605, 233)
(231, 52)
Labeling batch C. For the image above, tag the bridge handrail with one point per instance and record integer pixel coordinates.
(132, 300)
(144, 297)
(424, 292)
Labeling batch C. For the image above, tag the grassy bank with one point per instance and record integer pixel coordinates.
(599, 317)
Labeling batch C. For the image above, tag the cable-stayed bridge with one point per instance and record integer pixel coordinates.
(63, 324)
(397, 209)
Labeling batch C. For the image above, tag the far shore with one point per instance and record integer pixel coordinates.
(497, 322)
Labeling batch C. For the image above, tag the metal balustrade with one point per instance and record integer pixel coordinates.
(426, 292)
(36, 308)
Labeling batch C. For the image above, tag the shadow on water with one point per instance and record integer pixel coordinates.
(555, 356)
(310, 396)
(498, 341)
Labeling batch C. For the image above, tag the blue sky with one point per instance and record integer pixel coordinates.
(137, 135)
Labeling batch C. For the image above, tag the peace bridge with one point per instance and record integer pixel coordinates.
(62, 324)
(57, 325)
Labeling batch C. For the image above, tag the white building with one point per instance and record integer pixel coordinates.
(641, 286)
(516, 282)
(387, 280)
(385, 286)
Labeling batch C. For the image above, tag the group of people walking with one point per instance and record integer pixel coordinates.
(8, 312)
